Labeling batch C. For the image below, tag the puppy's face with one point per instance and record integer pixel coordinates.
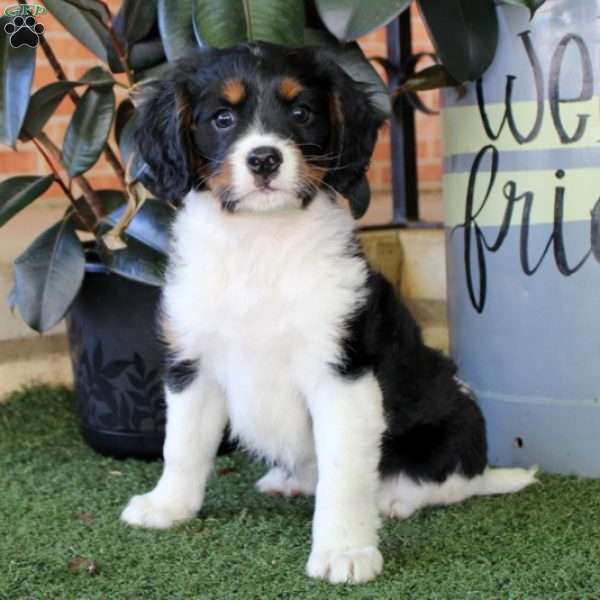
(265, 137)
(263, 127)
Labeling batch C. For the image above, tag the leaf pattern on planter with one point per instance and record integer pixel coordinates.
(117, 395)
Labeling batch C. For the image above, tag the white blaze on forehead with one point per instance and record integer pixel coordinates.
(285, 183)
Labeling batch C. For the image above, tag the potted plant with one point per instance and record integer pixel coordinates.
(101, 264)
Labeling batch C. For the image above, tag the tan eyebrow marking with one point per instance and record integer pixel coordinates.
(234, 91)
(289, 88)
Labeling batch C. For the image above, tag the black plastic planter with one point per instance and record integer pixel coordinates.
(117, 361)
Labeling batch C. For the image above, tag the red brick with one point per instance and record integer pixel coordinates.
(382, 152)
(56, 128)
(423, 151)
(429, 173)
(44, 74)
(69, 48)
(99, 182)
(55, 191)
(25, 161)
(386, 176)
(373, 174)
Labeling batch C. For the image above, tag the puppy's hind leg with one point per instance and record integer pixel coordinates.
(196, 420)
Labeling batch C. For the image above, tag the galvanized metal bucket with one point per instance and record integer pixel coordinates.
(522, 216)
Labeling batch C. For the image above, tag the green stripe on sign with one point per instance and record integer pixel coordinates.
(580, 189)
(464, 131)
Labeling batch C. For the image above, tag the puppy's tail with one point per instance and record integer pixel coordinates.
(504, 481)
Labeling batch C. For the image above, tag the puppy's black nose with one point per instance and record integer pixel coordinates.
(264, 160)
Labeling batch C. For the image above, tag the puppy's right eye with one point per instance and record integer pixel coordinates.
(224, 119)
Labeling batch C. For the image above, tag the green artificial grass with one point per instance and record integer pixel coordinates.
(61, 539)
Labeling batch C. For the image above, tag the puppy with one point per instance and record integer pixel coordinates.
(275, 322)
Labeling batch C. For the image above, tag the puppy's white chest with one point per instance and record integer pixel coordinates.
(261, 283)
(261, 301)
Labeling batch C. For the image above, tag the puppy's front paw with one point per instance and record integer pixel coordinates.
(357, 565)
(149, 510)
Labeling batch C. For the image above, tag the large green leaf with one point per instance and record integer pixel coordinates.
(135, 19)
(464, 34)
(176, 29)
(18, 192)
(354, 62)
(137, 262)
(146, 54)
(124, 113)
(531, 5)
(351, 19)
(150, 226)
(16, 70)
(109, 200)
(157, 72)
(130, 157)
(93, 8)
(97, 77)
(83, 25)
(352, 59)
(127, 144)
(430, 78)
(88, 130)
(47, 99)
(42, 106)
(222, 23)
(48, 276)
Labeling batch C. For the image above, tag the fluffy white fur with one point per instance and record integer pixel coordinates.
(262, 305)
(259, 297)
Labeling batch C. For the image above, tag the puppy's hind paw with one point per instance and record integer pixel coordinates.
(279, 483)
(149, 511)
(357, 565)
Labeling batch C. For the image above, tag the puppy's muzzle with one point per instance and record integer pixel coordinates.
(264, 162)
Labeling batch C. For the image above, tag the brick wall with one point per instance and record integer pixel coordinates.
(76, 60)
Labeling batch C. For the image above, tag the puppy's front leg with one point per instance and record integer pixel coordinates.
(196, 419)
(348, 424)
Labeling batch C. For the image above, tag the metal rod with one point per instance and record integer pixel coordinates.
(403, 144)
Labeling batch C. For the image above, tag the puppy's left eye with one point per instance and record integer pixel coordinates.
(301, 114)
(223, 119)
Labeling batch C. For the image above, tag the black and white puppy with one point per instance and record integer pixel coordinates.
(275, 321)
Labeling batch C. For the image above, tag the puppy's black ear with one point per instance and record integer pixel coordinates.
(163, 124)
(355, 122)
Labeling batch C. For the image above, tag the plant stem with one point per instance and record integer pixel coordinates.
(78, 210)
(111, 157)
(93, 204)
(120, 51)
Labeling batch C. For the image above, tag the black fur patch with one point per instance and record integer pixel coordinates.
(180, 374)
(433, 428)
